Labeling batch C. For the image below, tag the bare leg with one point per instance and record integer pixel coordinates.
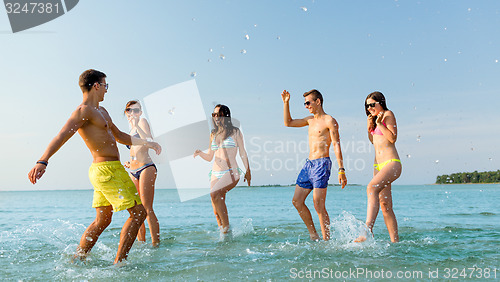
(129, 231)
(141, 235)
(92, 233)
(385, 198)
(147, 193)
(218, 194)
(298, 202)
(319, 197)
(380, 181)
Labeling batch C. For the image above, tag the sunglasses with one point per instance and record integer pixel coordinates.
(371, 105)
(307, 103)
(216, 114)
(135, 110)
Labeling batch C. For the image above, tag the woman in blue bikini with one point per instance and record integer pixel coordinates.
(225, 142)
(382, 132)
(142, 170)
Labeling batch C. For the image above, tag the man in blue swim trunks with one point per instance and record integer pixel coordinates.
(323, 130)
(113, 189)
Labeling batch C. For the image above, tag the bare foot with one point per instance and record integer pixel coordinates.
(360, 239)
(156, 244)
(314, 237)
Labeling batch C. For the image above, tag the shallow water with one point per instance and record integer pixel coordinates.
(442, 227)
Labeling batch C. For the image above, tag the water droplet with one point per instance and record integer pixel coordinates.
(413, 84)
(437, 161)
(89, 239)
(121, 197)
(209, 60)
(496, 61)
(490, 159)
(469, 9)
(383, 57)
(446, 60)
(271, 174)
(210, 50)
(303, 9)
(171, 111)
(418, 138)
(278, 37)
(243, 51)
(408, 156)
(255, 25)
(472, 149)
(222, 57)
(193, 19)
(193, 74)
(415, 108)
(136, 193)
(247, 37)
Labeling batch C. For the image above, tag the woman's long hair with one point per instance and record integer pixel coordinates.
(227, 127)
(378, 97)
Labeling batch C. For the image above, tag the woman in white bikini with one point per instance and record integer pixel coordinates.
(225, 142)
(142, 170)
(382, 132)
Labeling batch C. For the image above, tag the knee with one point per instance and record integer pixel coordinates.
(139, 213)
(103, 221)
(217, 196)
(297, 203)
(319, 206)
(385, 206)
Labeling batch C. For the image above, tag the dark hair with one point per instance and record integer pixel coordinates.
(89, 77)
(378, 97)
(227, 125)
(316, 95)
(132, 102)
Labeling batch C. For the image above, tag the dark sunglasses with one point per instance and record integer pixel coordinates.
(135, 110)
(216, 114)
(307, 103)
(371, 105)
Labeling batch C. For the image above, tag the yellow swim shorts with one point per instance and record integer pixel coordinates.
(112, 186)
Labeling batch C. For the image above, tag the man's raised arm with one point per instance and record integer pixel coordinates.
(286, 112)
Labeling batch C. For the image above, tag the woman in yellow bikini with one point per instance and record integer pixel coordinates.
(382, 132)
(225, 142)
(142, 170)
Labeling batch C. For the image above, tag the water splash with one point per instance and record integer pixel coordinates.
(193, 74)
(345, 228)
(303, 9)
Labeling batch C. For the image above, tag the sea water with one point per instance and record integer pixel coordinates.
(446, 232)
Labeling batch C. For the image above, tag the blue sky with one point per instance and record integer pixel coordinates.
(437, 62)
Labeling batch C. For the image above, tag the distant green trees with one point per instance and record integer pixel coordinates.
(469, 177)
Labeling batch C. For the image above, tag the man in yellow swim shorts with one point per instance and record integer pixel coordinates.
(113, 189)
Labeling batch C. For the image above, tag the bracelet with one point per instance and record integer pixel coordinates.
(341, 168)
(42, 162)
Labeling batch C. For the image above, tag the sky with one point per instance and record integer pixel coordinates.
(437, 63)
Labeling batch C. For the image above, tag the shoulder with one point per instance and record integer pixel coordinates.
(143, 121)
(331, 121)
(389, 113)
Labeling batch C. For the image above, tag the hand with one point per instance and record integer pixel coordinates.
(133, 120)
(36, 173)
(196, 153)
(155, 146)
(248, 177)
(342, 180)
(285, 96)
(380, 117)
(126, 164)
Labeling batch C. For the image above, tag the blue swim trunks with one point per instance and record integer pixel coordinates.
(315, 173)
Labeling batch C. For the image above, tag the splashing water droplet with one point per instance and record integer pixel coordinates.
(243, 51)
(490, 159)
(89, 239)
(496, 61)
(446, 60)
(210, 50)
(418, 138)
(209, 60)
(193, 74)
(255, 25)
(222, 57)
(408, 156)
(303, 9)
(469, 9)
(121, 197)
(193, 19)
(278, 37)
(271, 174)
(171, 111)
(437, 161)
(247, 37)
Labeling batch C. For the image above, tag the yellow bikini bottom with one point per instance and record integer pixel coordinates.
(381, 165)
